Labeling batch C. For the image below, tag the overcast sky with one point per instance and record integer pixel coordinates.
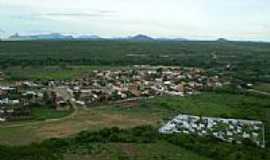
(198, 19)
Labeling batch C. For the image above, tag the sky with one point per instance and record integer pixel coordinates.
(194, 19)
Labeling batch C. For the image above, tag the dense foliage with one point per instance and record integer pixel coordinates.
(248, 60)
(55, 148)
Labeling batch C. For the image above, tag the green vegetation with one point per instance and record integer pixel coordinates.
(49, 72)
(45, 60)
(40, 113)
(94, 144)
(213, 104)
(151, 112)
(43, 113)
(264, 87)
(95, 118)
(249, 61)
(142, 151)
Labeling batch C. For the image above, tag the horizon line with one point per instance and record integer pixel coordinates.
(188, 38)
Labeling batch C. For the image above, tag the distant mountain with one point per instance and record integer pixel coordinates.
(141, 37)
(222, 40)
(58, 36)
(88, 37)
(181, 39)
(172, 39)
(52, 36)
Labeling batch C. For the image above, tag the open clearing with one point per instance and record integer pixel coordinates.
(93, 118)
(264, 87)
(145, 112)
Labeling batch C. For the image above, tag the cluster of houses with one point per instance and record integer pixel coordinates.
(17, 100)
(11, 107)
(228, 130)
(141, 81)
(101, 86)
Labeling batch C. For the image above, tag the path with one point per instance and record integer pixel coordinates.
(259, 92)
(44, 121)
(69, 116)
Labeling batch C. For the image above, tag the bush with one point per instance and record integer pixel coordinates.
(87, 142)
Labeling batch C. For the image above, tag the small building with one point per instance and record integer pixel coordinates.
(61, 104)
(61, 97)
(3, 93)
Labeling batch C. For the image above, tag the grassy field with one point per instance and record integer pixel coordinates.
(50, 72)
(90, 119)
(43, 113)
(264, 87)
(151, 112)
(40, 114)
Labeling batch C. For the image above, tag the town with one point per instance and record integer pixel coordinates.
(101, 86)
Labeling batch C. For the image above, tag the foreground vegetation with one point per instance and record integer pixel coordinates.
(141, 142)
(93, 144)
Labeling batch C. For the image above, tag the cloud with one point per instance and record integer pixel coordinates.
(98, 13)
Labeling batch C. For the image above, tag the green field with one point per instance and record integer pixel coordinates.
(145, 112)
(43, 113)
(264, 87)
(151, 111)
(39, 114)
